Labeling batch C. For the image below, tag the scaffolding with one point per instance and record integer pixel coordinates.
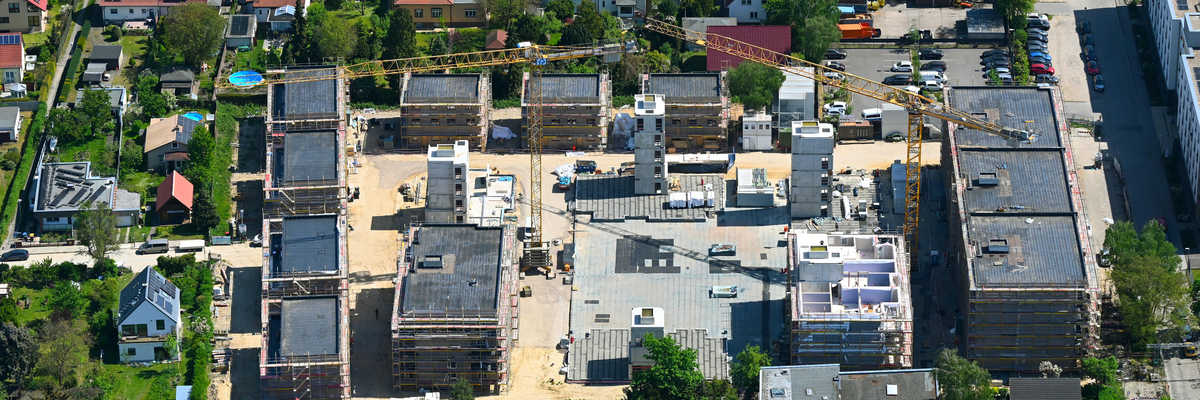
(571, 123)
(448, 119)
(307, 196)
(696, 126)
(431, 349)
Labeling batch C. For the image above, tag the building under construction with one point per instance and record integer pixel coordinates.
(575, 110)
(305, 308)
(697, 109)
(455, 308)
(1019, 237)
(850, 300)
(443, 109)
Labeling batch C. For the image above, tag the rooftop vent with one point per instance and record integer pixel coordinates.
(987, 179)
(997, 246)
(893, 390)
(432, 261)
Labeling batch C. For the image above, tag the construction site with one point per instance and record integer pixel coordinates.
(697, 109)
(1019, 235)
(305, 349)
(443, 109)
(575, 110)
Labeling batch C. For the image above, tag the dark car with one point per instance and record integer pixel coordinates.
(997, 64)
(1039, 60)
(897, 80)
(1039, 23)
(993, 58)
(1093, 67)
(1084, 26)
(930, 54)
(1037, 31)
(1044, 78)
(993, 52)
(15, 255)
(835, 54)
(1090, 51)
(835, 65)
(1098, 83)
(1037, 36)
(1035, 48)
(1088, 41)
(934, 65)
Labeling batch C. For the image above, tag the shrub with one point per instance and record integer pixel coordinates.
(8, 165)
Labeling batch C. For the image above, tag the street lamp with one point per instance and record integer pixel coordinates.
(1011, 37)
(1187, 262)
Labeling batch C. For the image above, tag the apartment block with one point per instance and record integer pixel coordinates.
(696, 107)
(1175, 26)
(812, 167)
(443, 109)
(575, 110)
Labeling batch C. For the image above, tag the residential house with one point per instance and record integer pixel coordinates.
(457, 13)
(168, 137)
(147, 313)
(241, 31)
(701, 25)
(179, 80)
(495, 40)
(280, 13)
(747, 11)
(117, 99)
(109, 55)
(12, 57)
(60, 190)
(777, 38)
(10, 124)
(118, 11)
(619, 8)
(174, 202)
(1044, 389)
(24, 16)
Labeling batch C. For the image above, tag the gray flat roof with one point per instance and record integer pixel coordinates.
(611, 198)
(798, 381)
(309, 326)
(1044, 250)
(1034, 180)
(1028, 108)
(569, 88)
(1044, 389)
(469, 277)
(309, 156)
(310, 244)
(8, 117)
(911, 384)
(66, 186)
(306, 100)
(686, 88)
(442, 89)
(621, 266)
(106, 52)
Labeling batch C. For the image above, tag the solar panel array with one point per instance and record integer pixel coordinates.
(240, 25)
(10, 39)
(1182, 4)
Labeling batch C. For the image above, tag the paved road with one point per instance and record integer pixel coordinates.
(240, 255)
(1182, 376)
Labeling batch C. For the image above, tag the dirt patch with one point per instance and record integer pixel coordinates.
(535, 376)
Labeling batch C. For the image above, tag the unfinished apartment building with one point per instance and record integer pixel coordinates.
(697, 110)
(305, 308)
(850, 300)
(1019, 239)
(443, 109)
(455, 310)
(574, 110)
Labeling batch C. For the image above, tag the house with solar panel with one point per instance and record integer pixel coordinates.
(61, 190)
(240, 32)
(280, 13)
(147, 313)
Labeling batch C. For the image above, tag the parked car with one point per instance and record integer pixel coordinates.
(1036, 36)
(997, 64)
(1039, 60)
(994, 52)
(898, 80)
(999, 70)
(934, 65)
(1090, 52)
(1041, 54)
(1088, 41)
(902, 66)
(1004, 80)
(1041, 69)
(912, 89)
(835, 108)
(1038, 21)
(1038, 48)
(1098, 83)
(15, 255)
(834, 75)
(894, 137)
(872, 114)
(1093, 67)
(1084, 27)
(835, 65)
(932, 86)
(1044, 78)
(1037, 30)
(930, 54)
(835, 54)
(987, 60)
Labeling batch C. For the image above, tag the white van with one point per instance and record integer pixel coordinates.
(933, 76)
(872, 114)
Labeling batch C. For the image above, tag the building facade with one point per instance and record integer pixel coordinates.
(148, 313)
(697, 109)
(444, 109)
(428, 14)
(747, 11)
(118, 11)
(575, 110)
(23, 16)
(1176, 30)
(812, 168)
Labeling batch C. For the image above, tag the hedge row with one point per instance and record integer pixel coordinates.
(200, 346)
(33, 137)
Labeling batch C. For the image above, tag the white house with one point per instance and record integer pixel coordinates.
(119, 11)
(147, 313)
(747, 11)
(619, 8)
(280, 13)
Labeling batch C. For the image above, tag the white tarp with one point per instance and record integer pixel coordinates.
(696, 199)
(678, 200)
(500, 132)
(565, 170)
(710, 198)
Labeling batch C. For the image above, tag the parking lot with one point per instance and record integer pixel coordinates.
(962, 69)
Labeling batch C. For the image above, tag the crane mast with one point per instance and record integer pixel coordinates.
(916, 104)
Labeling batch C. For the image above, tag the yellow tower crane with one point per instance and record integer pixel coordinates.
(916, 104)
(537, 254)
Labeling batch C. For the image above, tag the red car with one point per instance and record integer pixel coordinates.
(1041, 69)
(1093, 68)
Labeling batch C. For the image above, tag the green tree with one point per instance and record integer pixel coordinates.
(961, 379)
(818, 33)
(1014, 9)
(717, 389)
(462, 390)
(697, 8)
(204, 215)
(333, 4)
(754, 85)
(132, 157)
(96, 107)
(562, 9)
(675, 374)
(195, 31)
(813, 22)
(298, 44)
(656, 62)
(202, 157)
(171, 346)
(588, 16)
(18, 354)
(96, 228)
(63, 348)
(438, 46)
(1103, 370)
(401, 39)
(335, 38)
(575, 34)
(744, 370)
(8, 312)
(68, 125)
(667, 9)
(1149, 285)
(529, 28)
(502, 13)
(65, 298)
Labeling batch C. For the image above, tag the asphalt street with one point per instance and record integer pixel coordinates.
(1182, 376)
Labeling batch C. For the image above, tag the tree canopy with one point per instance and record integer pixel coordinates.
(401, 39)
(202, 157)
(576, 34)
(335, 38)
(754, 85)
(462, 390)
(562, 9)
(813, 22)
(96, 227)
(502, 13)
(589, 17)
(18, 354)
(675, 374)
(96, 106)
(744, 370)
(1150, 287)
(1103, 370)
(961, 379)
(195, 31)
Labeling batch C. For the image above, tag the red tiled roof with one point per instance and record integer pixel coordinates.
(12, 55)
(777, 38)
(495, 40)
(175, 187)
(40, 4)
(148, 3)
(424, 2)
